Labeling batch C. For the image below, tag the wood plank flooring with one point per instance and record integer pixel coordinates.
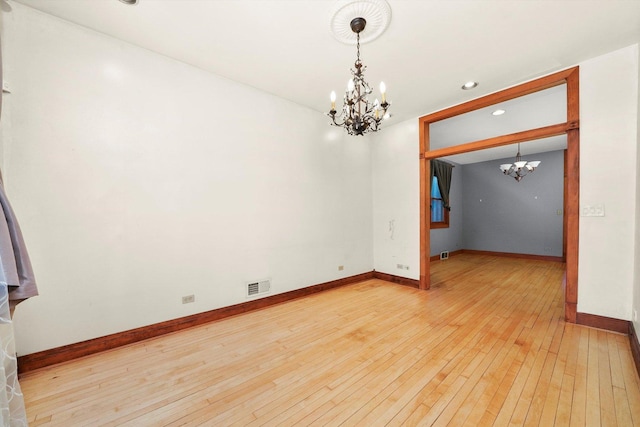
(485, 346)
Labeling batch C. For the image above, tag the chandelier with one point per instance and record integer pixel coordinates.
(359, 116)
(519, 168)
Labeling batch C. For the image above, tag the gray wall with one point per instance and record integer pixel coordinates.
(503, 215)
(450, 239)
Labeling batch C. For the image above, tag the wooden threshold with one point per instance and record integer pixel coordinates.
(65, 353)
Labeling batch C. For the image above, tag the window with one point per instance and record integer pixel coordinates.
(439, 215)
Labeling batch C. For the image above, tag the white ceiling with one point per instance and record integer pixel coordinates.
(430, 48)
(544, 108)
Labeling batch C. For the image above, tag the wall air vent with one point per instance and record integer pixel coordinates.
(258, 288)
(444, 255)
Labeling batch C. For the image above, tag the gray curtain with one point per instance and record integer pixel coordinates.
(442, 171)
(15, 267)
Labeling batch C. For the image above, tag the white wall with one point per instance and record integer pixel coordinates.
(608, 173)
(396, 197)
(138, 179)
(608, 153)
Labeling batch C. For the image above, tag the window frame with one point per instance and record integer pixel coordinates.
(445, 212)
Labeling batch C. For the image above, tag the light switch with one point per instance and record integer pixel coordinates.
(592, 210)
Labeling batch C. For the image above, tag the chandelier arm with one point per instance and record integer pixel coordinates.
(337, 124)
(332, 114)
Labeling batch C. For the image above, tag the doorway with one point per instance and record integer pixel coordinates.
(570, 128)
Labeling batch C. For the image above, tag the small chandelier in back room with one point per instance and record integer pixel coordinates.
(519, 168)
(358, 115)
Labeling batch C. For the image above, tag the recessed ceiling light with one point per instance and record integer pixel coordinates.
(498, 112)
(469, 85)
(129, 2)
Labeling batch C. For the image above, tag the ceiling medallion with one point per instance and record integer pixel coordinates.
(376, 13)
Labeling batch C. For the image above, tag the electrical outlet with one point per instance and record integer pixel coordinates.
(340, 267)
(188, 299)
(635, 315)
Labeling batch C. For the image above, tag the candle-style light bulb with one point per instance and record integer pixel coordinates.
(333, 100)
(351, 85)
(383, 90)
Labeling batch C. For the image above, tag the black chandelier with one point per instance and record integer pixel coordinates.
(358, 115)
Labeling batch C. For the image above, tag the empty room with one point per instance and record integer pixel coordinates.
(320, 212)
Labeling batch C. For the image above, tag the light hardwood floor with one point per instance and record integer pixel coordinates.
(485, 346)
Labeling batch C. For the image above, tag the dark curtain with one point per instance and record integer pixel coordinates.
(15, 266)
(442, 171)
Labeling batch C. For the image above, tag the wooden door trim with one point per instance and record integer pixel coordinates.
(499, 141)
(571, 128)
